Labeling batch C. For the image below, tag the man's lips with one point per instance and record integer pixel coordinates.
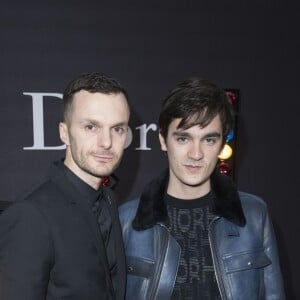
(193, 167)
(102, 157)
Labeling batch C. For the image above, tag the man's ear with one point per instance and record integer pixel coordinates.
(163, 144)
(64, 133)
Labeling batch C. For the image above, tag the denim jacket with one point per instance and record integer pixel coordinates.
(241, 238)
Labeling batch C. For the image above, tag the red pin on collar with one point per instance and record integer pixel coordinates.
(105, 181)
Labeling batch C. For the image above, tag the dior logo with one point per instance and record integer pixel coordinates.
(38, 125)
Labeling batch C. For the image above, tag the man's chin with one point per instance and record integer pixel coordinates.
(100, 173)
(195, 182)
(101, 170)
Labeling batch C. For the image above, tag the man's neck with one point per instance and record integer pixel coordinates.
(92, 181)
(187, 192)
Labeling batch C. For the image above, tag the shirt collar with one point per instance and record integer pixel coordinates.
(84, 189)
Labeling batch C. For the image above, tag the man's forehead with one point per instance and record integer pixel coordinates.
(180, 124)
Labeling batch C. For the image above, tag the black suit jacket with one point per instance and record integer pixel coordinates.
(51, 246)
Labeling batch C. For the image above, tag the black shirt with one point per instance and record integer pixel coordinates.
(101, 212)
(189, 223)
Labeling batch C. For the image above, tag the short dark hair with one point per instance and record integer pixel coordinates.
(93, 83)
(196, 101)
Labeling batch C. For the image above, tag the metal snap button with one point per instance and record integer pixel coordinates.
(129, 269)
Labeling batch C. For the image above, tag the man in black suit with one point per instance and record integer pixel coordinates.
(62, 240)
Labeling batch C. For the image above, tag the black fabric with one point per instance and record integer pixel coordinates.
(189, 224)
(4, 205)
(98, 203)
(152, 208)
(101, 212)
(51, 247)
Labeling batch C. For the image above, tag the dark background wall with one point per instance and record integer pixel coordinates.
(150, 46)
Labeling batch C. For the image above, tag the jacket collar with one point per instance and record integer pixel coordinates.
(152, 208)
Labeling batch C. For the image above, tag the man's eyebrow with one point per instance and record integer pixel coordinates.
(83, 121)
(120, 124)
(95, 122)
(186, 134)
(181, 133)
(212, 135)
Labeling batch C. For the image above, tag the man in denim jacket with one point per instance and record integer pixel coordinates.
(192, 235)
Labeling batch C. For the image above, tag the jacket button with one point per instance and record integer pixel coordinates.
(129, 269)
(250, 263)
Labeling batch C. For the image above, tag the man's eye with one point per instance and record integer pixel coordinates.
(182, 139)
(210, 141)
(90, 127)
(119, 129)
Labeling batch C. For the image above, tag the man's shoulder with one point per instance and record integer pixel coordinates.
(44, 189)
(44, 198)
(252, 201)
(127, 211)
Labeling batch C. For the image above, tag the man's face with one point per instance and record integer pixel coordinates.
(95, 134)
(192, 156)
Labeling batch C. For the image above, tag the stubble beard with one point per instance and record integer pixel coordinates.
(104, 169)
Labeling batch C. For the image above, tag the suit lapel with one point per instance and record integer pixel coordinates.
(58, 176)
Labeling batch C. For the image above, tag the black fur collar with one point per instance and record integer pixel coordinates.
(152, 208)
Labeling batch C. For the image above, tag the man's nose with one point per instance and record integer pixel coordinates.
(104, 139)
(196, 152)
